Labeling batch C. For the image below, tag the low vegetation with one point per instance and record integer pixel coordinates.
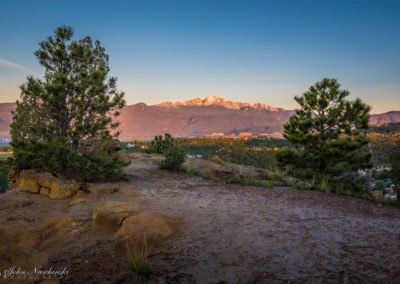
(329, 147)
(174, 158)
(167, 146)
(254, 182)
(138, 264)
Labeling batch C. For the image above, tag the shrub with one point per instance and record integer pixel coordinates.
(240, 154)
(174, 158)
(191, 172)
(380, 173)
(159, 145)
(380, 185)
(275, 175)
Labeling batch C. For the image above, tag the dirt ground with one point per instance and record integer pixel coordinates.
(231, 233)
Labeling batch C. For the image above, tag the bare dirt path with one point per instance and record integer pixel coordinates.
(231, 233)
(243, 234)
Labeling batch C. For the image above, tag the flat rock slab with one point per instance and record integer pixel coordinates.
(146, 227)
(110, 215)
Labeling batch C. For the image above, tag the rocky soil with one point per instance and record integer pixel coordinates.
(208, 232)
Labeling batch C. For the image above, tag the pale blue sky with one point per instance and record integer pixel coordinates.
(253, 51)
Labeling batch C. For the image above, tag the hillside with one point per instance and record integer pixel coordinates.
(387, 117)
(207, 116)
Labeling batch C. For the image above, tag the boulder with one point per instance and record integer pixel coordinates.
(28, 181)
(63, 189)
(59, 189)
(47, 180)
(110, 215)
(44, 191)
(46, 184)
(152, 228)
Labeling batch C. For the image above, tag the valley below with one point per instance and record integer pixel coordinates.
(224, 233)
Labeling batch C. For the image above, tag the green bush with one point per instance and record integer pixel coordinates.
(191, 172)
(380, 185)
(174, 158)
(240, 154)
(159, 145)
(380, 174)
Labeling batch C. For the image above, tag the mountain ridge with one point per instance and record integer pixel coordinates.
(218, 101)
(207, 116)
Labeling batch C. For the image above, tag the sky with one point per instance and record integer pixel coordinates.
(248, 51)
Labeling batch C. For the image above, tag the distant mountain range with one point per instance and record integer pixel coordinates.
(209, 116)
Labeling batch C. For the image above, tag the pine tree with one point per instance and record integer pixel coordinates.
(64, 123)
(329, 132)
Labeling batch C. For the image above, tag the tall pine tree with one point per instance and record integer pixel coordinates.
(64, 123)
(329, 132)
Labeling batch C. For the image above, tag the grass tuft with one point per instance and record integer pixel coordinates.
(138, 261)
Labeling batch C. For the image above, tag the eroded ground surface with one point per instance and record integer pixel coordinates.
(231, 233)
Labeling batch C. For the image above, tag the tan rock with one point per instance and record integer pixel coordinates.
(79, 197)
(63, 189)
(151, 227)
(25, 245)
(110, 215)
(59, 188)
(47, 180)
(45, 191)
(60, 230)
(28, 181)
